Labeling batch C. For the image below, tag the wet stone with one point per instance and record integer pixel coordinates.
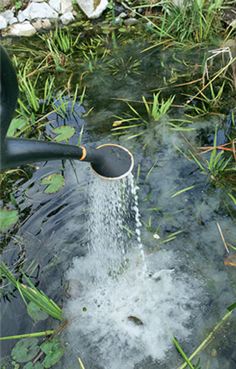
(130, 22)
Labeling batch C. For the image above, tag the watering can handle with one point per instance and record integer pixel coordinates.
(8, 93)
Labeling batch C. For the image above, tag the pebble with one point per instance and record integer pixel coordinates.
(130, 21)
(42, 24)
(41, 10)
(38, 13)
(56, 5)
(8, 15)
(67, 18)
(122, 15)
(3, 22)
(22, 29)
(66, 6)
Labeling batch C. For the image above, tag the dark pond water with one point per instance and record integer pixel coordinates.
(124, 307)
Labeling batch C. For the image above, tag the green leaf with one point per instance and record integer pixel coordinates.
(7, 219)
(54, 181)
(17, 124)
(35, 312)
(64, 133)
(232, 307)
(33, 366)
(54, 352)
(25, 350)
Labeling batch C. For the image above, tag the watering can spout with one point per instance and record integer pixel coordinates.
(109, 161)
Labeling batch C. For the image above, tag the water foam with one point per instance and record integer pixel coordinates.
(119, 315)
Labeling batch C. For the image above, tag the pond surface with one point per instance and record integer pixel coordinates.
(135, 262)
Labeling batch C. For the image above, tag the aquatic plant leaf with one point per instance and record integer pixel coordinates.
(35, 312)
(25, 350)
(64, 133)
(54, 181)
(17, 124)
(54, 352)
(33, 366)
(231, 307)
(7, 219)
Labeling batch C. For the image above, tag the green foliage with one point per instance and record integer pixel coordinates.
(18, 4)
(157, 108)
(33, 366)
(16, 127)
(35, 312)
(25, 350)
(195, 21)
(154, 112)
(8, 218)
(54, 352)
(54, 183)
(64, 133)
(184, 356)
(30, 293)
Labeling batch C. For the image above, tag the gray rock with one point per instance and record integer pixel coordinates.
(37, 11)
(67, 18)
(21, 29)
(56, 5)
(90, 9)
(66, 6)
(13, 21)
(41, 10)
(122, 15)
(130, 21)
(23, 15)
(42, 24)
(3, 22)
(8, 15)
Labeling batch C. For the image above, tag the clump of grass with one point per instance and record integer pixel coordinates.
(193, 21)
(30, 293)
(154, 112)
(61, 40)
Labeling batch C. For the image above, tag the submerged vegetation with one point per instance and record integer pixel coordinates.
(91, 62)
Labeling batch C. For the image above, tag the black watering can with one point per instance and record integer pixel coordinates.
(109, 161)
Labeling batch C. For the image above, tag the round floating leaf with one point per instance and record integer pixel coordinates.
(54, 181)
(54, 352)
(7, 219)
(25, 350)
(35, 312)
(17, 124)
(33, 366)
(64, 133)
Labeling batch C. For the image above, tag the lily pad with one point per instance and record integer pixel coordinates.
(64, 133)
(54, 181)
(7, 219)
(54, 352)
(35, 312)
(17, 124)
(25, 350)
(33, 366)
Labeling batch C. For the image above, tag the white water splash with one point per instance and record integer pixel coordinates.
(120, 315)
